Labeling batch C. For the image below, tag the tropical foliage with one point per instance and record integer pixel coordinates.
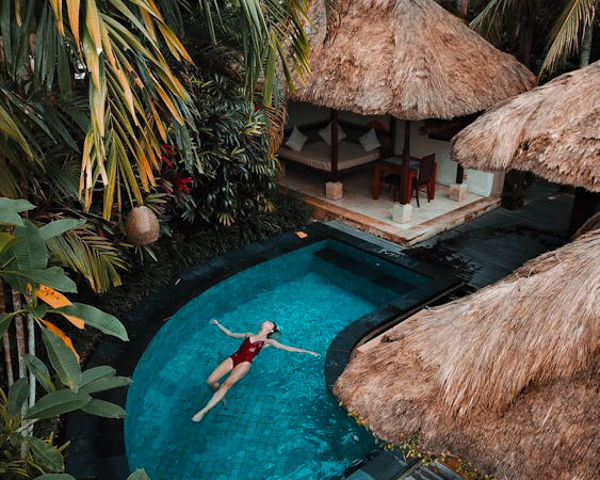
(518, 24)
(36, 284)
(97, 115)
(101, 86)
(238, 171)
(92, 41)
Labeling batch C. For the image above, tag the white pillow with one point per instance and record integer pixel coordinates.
(369, 140)
(325, 134)
(297, 140)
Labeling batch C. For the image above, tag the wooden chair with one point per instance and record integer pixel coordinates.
(425, 177)
(393, 184)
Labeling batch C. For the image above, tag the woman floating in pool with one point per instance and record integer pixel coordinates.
(239, 363)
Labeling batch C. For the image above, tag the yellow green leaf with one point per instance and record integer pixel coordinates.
(57, 9)
(92, 23)
(59, 333)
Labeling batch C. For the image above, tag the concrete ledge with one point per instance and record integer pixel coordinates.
(325, 211)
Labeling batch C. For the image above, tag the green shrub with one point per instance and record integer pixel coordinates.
(235, 174)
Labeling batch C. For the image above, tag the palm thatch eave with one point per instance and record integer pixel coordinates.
(507, 377)
(553, 131)
(407, 58)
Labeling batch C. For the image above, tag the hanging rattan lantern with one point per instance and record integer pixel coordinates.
(141, 226)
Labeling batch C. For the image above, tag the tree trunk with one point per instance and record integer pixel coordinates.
(513, 193)
(521, 35)
(10, 376)
(586, 42)
(585, 204)
(462, 7)
(525, 40)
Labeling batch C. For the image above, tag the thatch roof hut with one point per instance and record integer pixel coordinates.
(553, 131)
(407, 58)
(508, 378)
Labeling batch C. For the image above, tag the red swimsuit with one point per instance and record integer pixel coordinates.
(247, 351)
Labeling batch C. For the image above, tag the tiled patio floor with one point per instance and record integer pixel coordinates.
(357, 207)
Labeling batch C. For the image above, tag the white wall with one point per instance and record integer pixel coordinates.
(421, 145)
(480, 183)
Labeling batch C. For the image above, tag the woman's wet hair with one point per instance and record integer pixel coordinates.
(274, 332)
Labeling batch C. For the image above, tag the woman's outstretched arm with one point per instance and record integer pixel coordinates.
(229, 332)
(287, 348)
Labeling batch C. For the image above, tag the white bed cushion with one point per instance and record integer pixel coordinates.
(318, 155)
(297, 140)
(325, 134)
(369, 140)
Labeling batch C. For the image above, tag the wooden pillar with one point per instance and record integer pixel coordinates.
(513, 191)
(460, 174)
(334, 144)
(393, 134)
(405, 186)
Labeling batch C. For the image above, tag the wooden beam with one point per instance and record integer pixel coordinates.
(405, 186)
(393, 134)
(460, 174)
(334, 144)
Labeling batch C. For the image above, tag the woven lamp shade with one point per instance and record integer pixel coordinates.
(142, 226)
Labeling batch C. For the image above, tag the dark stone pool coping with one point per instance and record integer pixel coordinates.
(97, 451)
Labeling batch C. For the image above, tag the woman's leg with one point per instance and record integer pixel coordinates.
(223, 369)
(236, 374)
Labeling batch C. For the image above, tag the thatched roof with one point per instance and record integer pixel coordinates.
(508, 378)
(553, 130)
(407, 58)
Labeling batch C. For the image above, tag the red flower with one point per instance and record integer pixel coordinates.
(168, 154)
(180, 183)
(166, 159)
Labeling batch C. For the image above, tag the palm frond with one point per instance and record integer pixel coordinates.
(262, 33)
(18, 147)
(489, 23)
(564, 38)
(114, 42)
(96, 258)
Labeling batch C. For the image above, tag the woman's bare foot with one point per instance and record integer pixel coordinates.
(198, 416)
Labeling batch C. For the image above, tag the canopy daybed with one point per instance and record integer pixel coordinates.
(343, 152)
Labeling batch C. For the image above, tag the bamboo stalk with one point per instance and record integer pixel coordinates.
(21, 358)
(31, 349)
(31, 334)
(21, 351)
(6, 341)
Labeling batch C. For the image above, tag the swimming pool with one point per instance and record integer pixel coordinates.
(279, 422)
(98, 448)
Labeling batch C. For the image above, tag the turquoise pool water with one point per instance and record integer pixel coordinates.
(279, 422)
